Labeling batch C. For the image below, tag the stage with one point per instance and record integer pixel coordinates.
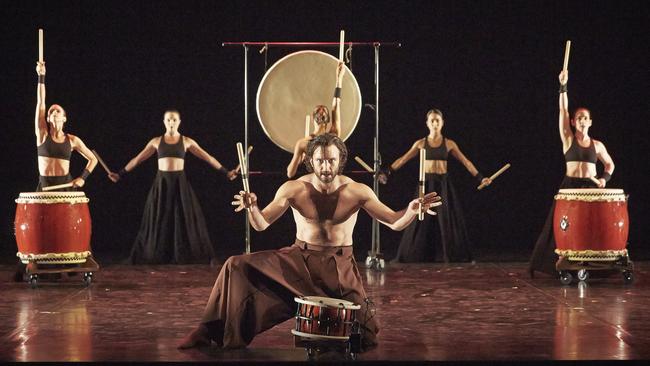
(427, 312)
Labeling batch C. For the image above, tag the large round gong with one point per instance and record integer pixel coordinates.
(293, 86)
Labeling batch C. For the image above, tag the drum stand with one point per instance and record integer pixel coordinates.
(375, 258)
(566, 266)
(349, 348)
(33, 269)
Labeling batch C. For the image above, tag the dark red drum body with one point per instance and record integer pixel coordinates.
(591, 224)
(324, 318)
(53, 227)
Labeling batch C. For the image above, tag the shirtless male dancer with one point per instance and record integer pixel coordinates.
(254, 292)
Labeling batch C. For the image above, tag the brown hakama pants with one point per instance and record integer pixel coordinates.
(256, 291)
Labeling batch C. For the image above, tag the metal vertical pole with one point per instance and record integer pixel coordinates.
(377, 166)
(247, 250)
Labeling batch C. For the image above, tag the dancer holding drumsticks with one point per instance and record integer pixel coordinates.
(54, 146)
(254, 292)
(416, 243)
(173, 229)
(323, 122)
(581, 153)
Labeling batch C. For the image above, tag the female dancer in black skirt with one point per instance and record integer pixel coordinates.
(581, 153)
(417, 244)
(54, 147)
(173, 229)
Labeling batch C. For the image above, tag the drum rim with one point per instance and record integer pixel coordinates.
(76, 194)
(52, 197)
(318, 336)
(268, 72)
(591, 191)
(335, 303)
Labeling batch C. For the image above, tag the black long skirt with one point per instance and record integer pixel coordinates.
(55, 180)
(173, 229)
(543, 258)
(441, 237)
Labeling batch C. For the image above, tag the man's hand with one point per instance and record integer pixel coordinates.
(429, 201)
(244, 200)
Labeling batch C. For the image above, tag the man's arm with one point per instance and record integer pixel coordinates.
(261, 219)
(395, 220)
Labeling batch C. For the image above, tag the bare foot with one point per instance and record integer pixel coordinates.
(197, 337)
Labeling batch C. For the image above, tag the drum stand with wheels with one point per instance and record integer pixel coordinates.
(566, 266)
(34, 269)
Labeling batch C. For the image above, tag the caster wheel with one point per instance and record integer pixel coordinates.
(371, 262)
(583, 275)
(380, 264)
(566, 277)
(311, 353)
(88, 278)
(33, 281)
(628, 277)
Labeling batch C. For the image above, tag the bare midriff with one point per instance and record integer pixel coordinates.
(49, 167)
(435, 166)
(580, 169)
(171, 164)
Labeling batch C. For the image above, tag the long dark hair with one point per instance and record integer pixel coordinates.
(326, 140)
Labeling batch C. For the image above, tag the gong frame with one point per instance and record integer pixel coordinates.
(375, 252)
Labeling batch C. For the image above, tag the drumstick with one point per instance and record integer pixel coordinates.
(495, 175)
(238, 168)
(307, 126)
(595, 180)
(40, 45)
(101, 161)
(364, 165)
(567, 49)
(421, 183)
(51, 188)
(244, 167)
(341, 45)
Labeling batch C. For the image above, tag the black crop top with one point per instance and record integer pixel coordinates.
(51, 149)
(166, 150)
(579, 153)
(436, 153)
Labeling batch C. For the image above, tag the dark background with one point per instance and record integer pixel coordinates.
(490, 66)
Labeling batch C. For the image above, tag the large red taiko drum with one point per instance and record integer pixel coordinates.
(591, 224)
(52, 227)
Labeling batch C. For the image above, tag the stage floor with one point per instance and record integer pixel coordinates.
(434, 312)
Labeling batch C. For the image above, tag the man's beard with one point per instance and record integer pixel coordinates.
(326, 177)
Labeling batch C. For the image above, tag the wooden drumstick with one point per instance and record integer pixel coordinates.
(421, 183)
(40, 45)
(244, 167)
(495, 175)
(59, 186)
(101, 161)
(307, 126)
(341, 45)
(595, 180)
(238, 167)
(567, 49)
(364, 165)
